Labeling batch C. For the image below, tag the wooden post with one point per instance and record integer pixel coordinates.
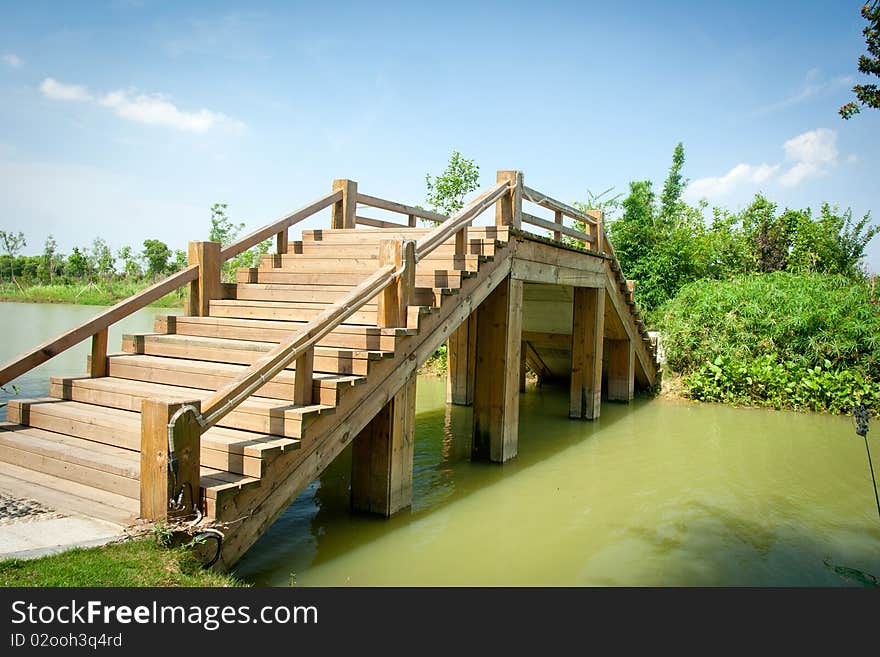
(522, 368)
(461, 242)
(557, 217)
(98, 360)
(157, 482)
(496, 380)
(508, 209)
(207, 286)
(597, 231)
(631, 286)
(281, 243)
(393, 301)
(382, 456)
(460, 362)
(344, 211)
(411, 221)
(621, 370)
(588, 328)
(304, 377)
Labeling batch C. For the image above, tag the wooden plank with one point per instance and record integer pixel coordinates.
(586, 353)
(438, 278)
(496, 387)
(98, 359)
(382, 456)
(621, 370)
(557, 206)
(377, 223)
(303, 379)
(461, 362)
(540, 272)
(267, 231)
(344, 210)
(400, 208)
(555, 228)
(282, 241)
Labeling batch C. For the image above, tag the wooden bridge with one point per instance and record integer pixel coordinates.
(229, 411)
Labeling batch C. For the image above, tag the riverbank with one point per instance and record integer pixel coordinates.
(87, 294)
(136, 562)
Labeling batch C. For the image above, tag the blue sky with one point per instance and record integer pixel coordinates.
(127, 120)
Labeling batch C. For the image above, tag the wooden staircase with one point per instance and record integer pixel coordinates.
(261, 454)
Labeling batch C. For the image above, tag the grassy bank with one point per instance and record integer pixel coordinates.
(89, 294)
(783, 340)
(138, 562)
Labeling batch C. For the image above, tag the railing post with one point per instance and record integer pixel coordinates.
(98, 361)
(207, 286)
(303, 378)
(281, 242)
(597, 231)
(393, 301)
(631, 287)
(461, 240)
(158, 487)
(344, 211)
(508, 209)
(557, 217)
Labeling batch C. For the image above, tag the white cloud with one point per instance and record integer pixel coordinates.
(852, 158)
(150, 109)
(722, 185)
(812, 154)
(11, 60)
(58, 91)
(156, 109)
(813, 86)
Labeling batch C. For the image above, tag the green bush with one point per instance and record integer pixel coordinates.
(804, 341)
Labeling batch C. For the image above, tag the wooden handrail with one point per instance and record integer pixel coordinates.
(51, 348)
(552, 204)
(391, 206)
(267, 231)
(262, 370)
(460, 219)
(555, 227)
(378, 223)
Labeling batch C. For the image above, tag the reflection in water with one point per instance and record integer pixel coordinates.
(653, 493)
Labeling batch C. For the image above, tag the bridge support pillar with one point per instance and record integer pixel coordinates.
(497, 371)
(382, 456)
(461, 361)
(621, 370)
(588, 328)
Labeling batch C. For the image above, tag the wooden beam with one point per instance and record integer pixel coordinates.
(393, 301)
(461, 361)
(557, 219)
(508, 209)
(400, 208)
(377, 223)
(281, 242)
(586, 353)
(207, 286)
(98, 360)
(621, 370)
(555, 227)
(382, 456)
(157, 482)
(552, 204)
(496, 384)
(345, 210)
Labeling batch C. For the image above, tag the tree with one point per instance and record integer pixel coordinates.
(46, 272)
(131, 265)
(446, 192)
(181, 260)
(102, 257)
(770, 237)
(674, 185)
(12, 244)
(156, 253)
(77, 266)
(867, 95)
(831, 244)
(223, 230)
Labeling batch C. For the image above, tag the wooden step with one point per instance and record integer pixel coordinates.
(207, 375)
(355, 245)
(365, 263)
(260, 414)
(437, 279)
(66, 496)
(501, 233)
(344, 336)
(298, 312)
(323, 294)
(333, 360)
(101, 466)
(240, 452)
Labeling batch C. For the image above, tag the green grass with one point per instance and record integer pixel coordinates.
(138, 562)
(88, 294)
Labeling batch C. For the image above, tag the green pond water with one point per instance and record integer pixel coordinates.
(654, 493)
